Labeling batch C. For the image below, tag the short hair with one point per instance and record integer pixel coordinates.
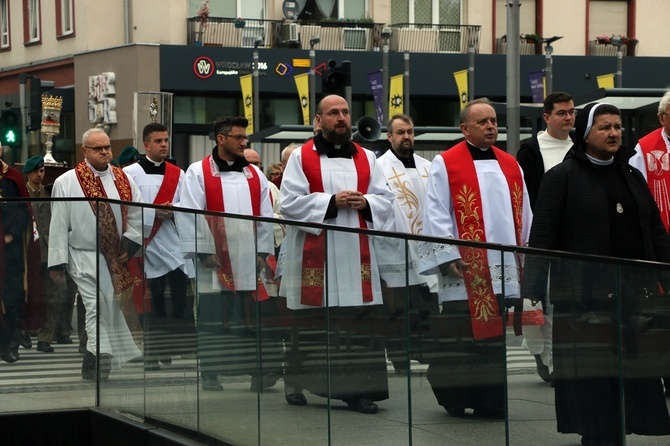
(555, 98)
(405, 118)
(151, 128)
(273, 166)
(87, 134)
(225, 125)
(463, 116)
(665, 101)
(286, 152)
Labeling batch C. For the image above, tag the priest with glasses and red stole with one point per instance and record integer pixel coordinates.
(475, 192)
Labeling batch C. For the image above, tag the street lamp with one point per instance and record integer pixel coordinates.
(549, 70)
(617, 42)
(312, 74)
(258, 42)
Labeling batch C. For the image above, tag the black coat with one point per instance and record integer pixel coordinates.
(571, 214)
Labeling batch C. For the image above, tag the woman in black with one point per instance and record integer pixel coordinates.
(595, 203)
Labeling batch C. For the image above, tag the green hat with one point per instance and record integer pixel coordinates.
(128, 155)
(33, 163)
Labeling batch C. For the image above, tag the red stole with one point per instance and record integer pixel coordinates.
(657, 163)
(214, 198)
(467, 200)
(110, 241)
(313, 252)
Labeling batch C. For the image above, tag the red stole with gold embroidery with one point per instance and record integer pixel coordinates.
(467, 201)
(313, 253)
(657, 162)
(214, 198)
(110, 240)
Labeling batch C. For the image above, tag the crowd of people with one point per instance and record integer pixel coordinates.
(347, 296)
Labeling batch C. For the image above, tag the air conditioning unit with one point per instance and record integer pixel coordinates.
(290, 32)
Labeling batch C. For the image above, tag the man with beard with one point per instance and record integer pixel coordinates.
(333, 180)
(406, 174)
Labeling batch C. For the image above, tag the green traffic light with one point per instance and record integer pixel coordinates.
(10, 137)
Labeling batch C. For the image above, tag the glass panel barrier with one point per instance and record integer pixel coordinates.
(288, 356)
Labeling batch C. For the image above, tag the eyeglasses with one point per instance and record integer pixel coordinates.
(239, 138)
(99, 149)
(563, 113)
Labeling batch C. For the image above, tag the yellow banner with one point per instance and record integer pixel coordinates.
(300, 63)
(248, 101)
(302, 84)
(606, 81)
(462, 86)
(396, 98)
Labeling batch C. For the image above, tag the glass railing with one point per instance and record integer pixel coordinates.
(376, 359)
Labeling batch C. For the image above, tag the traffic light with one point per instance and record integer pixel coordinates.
(333, 80)
(10, 123)
(36, 88)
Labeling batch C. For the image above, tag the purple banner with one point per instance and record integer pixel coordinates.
(536, 79)
(377, 87)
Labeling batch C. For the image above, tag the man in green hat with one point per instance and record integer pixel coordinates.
(53, 299)
(129, 155)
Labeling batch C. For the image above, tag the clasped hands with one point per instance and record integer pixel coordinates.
(351, 198)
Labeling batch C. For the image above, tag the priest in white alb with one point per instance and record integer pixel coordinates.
(475, 192)
(94, 240)
(332, 180)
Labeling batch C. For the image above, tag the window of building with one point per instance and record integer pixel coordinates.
(608, 17)
(317, 10)
(65, 17)
(439, 12)
(4, 24)
(31, 21)
(249, 9)
(527, 20)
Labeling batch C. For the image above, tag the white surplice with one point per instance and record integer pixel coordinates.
(409, 187)
(343, 263)
(73, 242)
(440, 221)
(245, 238)
(162, 254)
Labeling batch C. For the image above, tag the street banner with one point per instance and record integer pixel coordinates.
(302, 84)
(248, 100)
(461, 78)
(536, 80)
(377, 87)
(396, 100)
(606, 81)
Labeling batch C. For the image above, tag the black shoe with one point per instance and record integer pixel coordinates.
(210, 382)
(362, 405)
(63, 340)
(542, 369)
(152, 366)
(44, 347)
(638, 323)
(294, 396)
(15, 352)
(25, 340)
(8, 356)
(455, 411)
(88, 367)
(166, 360)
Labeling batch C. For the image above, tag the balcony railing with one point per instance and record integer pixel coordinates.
(598, 48)
(337, 35)
(526, 46)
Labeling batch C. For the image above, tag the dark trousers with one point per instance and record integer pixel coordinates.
(13, 297)
(177, 280)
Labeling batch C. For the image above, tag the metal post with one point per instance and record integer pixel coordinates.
(405, 87)
(619, 67)
(23, 77)
(385, 79)
(513, 76)
(312, 80)
(548, 69)
(256, 118)
(346, 70)
(471, 70)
